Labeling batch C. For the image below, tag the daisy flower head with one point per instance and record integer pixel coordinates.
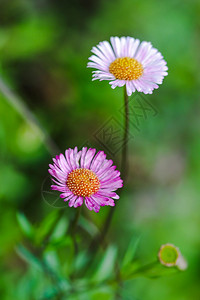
(83, 176)
(127, 61)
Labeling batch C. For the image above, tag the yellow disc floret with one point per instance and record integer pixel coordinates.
(83, 182)
(126, 68)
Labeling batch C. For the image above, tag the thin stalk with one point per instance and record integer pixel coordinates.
(142, 270)
(100, 239)
(124, 160)
(28, 116)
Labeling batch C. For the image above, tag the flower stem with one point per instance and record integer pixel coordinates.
(123, 161)
(100, 239)
(124, 164)
(142, 270)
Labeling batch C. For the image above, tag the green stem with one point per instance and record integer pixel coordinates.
(100, 239)
(124, 160)
(142, 270)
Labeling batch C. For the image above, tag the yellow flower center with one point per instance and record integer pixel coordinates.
(126, 68)
(83, 182)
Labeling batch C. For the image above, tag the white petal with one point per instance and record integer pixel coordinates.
(105, 47)
(129, 88)
(117, 82)
(134, 48)
(116, 44)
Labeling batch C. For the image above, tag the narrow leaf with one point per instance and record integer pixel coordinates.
(46, 226)
(60, 229)
(106, 266)
(88, 226)
(27, 256)
(25, 225)
(130, 253)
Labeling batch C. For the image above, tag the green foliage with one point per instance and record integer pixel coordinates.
(29, 257)
(25, 225)
(60, 230)
(44, 48)
(46, 226)
(130, 252)
(88, 226)
(106, 265)
(68, 273)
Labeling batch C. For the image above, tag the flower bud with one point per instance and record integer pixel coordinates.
(170, 256)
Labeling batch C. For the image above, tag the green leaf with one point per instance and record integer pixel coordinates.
(50, 293)
(88, 226)
(152, 270)
(52, 260)
(80, 260)
(46, 226)
(95, 293)
(25, 225)
(102, 293)
(64, 242)
(60, 230)
(130, 253)
(106, 266)
(27, 256)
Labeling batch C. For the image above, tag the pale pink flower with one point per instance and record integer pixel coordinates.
(127, 61)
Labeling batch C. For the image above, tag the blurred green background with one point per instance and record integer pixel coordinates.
(44, 48)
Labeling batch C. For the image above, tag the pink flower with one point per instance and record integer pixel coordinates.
(128, 62)
(82, 175)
